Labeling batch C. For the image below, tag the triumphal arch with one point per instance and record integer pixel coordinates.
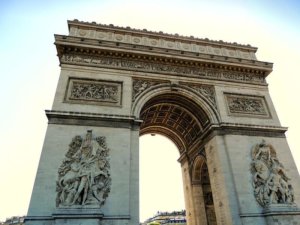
(209, 97)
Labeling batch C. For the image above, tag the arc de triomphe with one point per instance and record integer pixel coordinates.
(209, 97)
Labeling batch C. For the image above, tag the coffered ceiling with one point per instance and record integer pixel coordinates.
(175, 117)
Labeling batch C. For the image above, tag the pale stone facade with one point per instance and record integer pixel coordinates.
(209, 97)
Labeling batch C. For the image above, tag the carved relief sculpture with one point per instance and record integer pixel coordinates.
(270, 182)
(207, 91)
(84, 175)
(94, 91)
(247, 105)
(156, 67)
(139, 86)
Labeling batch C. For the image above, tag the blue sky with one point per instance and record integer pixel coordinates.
(30, 68)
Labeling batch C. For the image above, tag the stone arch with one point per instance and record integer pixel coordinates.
(183, 115)
(200, 99)
(194, 105)
(202, 192)
(197, 166)
(176, 117)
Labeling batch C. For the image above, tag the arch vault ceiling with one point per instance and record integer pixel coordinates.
(175, 117)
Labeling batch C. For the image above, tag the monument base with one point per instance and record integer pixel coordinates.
(77, 216)
(276, 208)
(282, 214)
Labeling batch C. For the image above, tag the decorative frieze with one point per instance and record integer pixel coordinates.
(161, 40)
(157, 67)
(94, 91)
(207, 91)
(140, 85)
(270, 181)
(84, 175)
(248, 105)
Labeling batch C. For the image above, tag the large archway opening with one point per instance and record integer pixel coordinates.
(182, 121)
(161, 187)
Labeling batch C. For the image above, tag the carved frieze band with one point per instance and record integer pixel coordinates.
(175, 69)
(84, 175)
(94, 91)
(270, 181)
(166, 43)
(246, 105)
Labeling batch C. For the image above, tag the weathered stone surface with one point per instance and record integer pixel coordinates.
(209, 97)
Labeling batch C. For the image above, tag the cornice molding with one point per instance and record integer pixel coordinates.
(81, 44)
(243, 129)
(92, 119)
(204, 69)
(146, 33)
(238, 129)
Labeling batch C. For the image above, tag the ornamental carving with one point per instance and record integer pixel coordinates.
(244, 104)
(170, 42)
(270, 181)
(156, 67)
(84, 175)
(207, 91)
(140, 86)
(94, 91)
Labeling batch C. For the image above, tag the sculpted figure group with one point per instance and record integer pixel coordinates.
(84, 176)
(270, 182)
(89, 91)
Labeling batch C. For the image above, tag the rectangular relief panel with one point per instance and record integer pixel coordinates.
(246, 105)
(89, 91)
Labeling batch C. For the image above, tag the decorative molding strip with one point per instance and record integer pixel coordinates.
(65, 44)
(84, 212)
(92, 119)
(242, 129)
(160, 40)
(246, 105)
(85, 91)
(252, 126)
(281, 213)
(90, 214)
(34, 218)
(157, 67)
(53, 113)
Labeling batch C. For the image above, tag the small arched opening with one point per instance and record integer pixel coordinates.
(204, 203)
